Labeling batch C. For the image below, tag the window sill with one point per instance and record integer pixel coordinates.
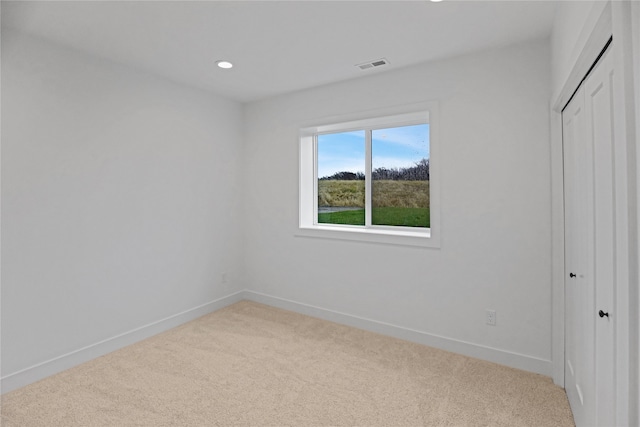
(367, 235)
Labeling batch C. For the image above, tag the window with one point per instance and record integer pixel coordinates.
(371, 179)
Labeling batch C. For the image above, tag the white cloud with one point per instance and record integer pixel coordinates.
(409, 137)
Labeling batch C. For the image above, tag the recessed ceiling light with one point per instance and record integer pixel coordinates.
(436, 1)
(224, 64)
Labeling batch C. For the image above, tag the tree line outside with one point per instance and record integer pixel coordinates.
(419, 172)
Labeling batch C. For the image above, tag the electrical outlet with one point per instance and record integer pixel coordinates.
(491, 317)
(224, 277)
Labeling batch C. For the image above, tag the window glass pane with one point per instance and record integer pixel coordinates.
(400, 176)
(341, 167)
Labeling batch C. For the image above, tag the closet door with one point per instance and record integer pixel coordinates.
(599, 115)
(579, 334)
(590, 248)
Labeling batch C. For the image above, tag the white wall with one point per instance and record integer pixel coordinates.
(635, 294)
(495, 251)
(119, 202)
(635, 339)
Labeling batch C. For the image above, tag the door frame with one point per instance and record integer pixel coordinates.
(607, 19)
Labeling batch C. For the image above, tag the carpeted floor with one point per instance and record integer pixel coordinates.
(250, 364)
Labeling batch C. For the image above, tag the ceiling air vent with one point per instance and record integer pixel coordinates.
(373, 64)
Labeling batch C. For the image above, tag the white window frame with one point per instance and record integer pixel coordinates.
(308, 184)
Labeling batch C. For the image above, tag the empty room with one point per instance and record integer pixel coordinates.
(354, 213)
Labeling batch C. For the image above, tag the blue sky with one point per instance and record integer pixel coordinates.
(391, 148)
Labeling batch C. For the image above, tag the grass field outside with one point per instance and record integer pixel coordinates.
(341, 193)
(400, 194)
(394, 203)
(355, 217)
(405, 217)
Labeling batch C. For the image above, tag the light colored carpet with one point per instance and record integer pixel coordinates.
(250, 364)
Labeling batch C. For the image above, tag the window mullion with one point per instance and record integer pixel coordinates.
(367, 179)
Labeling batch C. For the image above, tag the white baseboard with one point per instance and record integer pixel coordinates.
(50, 367)
(502, 357)
(42, 370)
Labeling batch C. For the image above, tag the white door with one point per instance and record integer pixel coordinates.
(599, 112)
(590, 248)
(579, 351)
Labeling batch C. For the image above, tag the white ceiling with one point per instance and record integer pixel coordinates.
(277, 46)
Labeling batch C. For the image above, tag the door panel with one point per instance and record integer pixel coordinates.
(579, 380)
(598, 109)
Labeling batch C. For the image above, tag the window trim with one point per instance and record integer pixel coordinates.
(308, 184)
